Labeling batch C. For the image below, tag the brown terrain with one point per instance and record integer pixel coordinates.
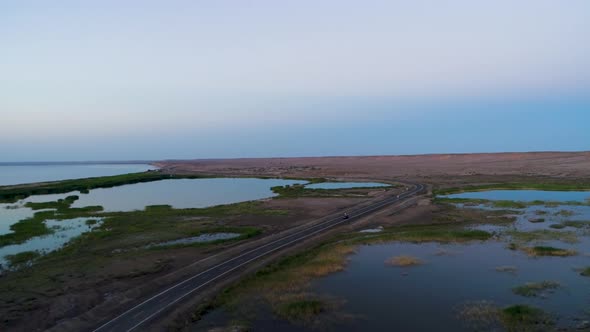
(76, 299)
(436, 169)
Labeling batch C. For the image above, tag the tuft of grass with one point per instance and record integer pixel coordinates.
(533, 289)
(557, 226)
(404, 261)
(524, 318)
(507, 268)
(22, 258)
(543, 235)
(564, 213)
(576, 224)
(585, 272)
(549, 251)
(508, 204)
(300, 310)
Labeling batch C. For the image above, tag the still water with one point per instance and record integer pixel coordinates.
(10, 175)
(376, 296)
(526, 195)
(179, 193)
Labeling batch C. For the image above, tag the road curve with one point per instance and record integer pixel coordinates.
(147, 310)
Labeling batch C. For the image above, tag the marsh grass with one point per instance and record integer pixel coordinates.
(300, 190)
(524, 318)
(300, 309)
(22, 258)
(517, 186)
(404, 261)
(533, 289)
(487, 316)
(418, 234)
(549, 251)
(585, 272)
(283, 285)
(542, 235)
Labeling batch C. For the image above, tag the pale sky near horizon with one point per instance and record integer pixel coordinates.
(123, 80)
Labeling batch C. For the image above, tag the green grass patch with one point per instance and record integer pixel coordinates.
(22, 258)
(533, 289)
(557, 226)
(524, 318)
(543, 235)
(516, 186)
(300, 190)
(576, 224)
(585, 272)
(418, 234)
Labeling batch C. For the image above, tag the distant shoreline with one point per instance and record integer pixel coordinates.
(70, 163)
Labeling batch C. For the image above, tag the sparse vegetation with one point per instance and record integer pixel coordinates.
(300, 310)
(549, 251)
(404, 261)
(542, 235)
(578, 186)
(525, 318)
(533, 289)
(22, 258)
(585, 272)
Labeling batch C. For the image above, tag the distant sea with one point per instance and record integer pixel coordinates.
(30, 172)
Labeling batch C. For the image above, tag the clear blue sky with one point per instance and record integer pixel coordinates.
(83, 80)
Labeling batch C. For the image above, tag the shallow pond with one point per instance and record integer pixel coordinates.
(19, 174)
(345, 185)
(63, 232)
(526, 195)
(181, 193)
(433, 295)
(390, 298)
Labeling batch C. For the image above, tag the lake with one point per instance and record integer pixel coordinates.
(179, 193)
(19, 174)
(526, 195)
(455, 280)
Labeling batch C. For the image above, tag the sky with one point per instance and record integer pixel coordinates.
(149, 80)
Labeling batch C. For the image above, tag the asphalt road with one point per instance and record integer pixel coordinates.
(138, 316)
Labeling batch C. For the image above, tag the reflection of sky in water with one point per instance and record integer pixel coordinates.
(388, 299)
(64, 231)
(181, 193)
(526, 195)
